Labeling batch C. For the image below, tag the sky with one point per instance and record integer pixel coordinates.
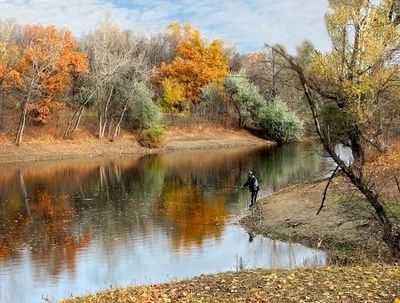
(245, 24)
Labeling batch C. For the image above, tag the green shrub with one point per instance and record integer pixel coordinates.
(151, 137)
(246, 98)
(147, 117)
(279, 122)
(144, 112)
(274, 118)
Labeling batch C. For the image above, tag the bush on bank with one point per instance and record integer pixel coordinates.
(147, 117)
(273, 117)
(280, 123)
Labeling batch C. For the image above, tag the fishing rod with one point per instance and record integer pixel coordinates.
(218, 186)
(233, 188)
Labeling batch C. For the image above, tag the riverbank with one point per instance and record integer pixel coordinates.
(345, 226)
(192, 138)
(290, 215)
(372, 283)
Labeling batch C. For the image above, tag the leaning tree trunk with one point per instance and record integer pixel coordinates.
(102, 126)
(76, 118)
(103, 117)
(22, 122)
(118, 126)
(68, 132)
(390, 234)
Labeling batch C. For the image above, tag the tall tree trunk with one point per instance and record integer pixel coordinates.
(69, 125)
(22, 122)
(118, 126)
(103, 128)
(78, 120)
(109, 128)
(76, 117)
(103, 117)
(100, 127)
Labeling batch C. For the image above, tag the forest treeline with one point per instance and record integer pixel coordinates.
(129, 81)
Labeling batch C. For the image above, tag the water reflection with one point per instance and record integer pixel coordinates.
(78, 226)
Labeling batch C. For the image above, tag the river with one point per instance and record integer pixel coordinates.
(74, 227)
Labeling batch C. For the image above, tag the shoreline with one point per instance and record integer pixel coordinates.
(328, 284)
(331, 231)
(36, 150)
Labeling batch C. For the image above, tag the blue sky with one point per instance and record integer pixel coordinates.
(246, 24)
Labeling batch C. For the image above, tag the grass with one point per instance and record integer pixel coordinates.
(393, 208)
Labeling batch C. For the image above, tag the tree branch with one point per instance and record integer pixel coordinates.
(326, 189)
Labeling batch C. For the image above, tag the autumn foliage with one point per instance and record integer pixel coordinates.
(9, 76)
(196, 64)
(357, 84)
(50, 59)
(40, 68)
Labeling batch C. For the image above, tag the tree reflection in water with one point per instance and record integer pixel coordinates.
(193, 217)
(54, 211)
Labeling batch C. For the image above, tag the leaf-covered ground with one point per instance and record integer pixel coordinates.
(330, 284)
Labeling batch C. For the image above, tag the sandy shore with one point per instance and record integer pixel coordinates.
(51, 149)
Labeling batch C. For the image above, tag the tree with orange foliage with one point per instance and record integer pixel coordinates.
(196, 64)
(49, 60)
(9, 56)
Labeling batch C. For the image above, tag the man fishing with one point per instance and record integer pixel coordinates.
(252, 183)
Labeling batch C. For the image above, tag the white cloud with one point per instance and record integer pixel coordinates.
(248, 24)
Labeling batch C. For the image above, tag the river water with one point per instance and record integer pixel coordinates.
(80, 226)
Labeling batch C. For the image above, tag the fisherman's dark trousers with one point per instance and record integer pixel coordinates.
(253, 197)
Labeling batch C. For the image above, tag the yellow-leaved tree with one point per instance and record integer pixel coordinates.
(173, 94)
(197, 64)
(353, 94)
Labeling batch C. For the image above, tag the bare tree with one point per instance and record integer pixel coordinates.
(267, 71)
(138, 75)
(116, 57)
(161, 48)
(235, 59)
